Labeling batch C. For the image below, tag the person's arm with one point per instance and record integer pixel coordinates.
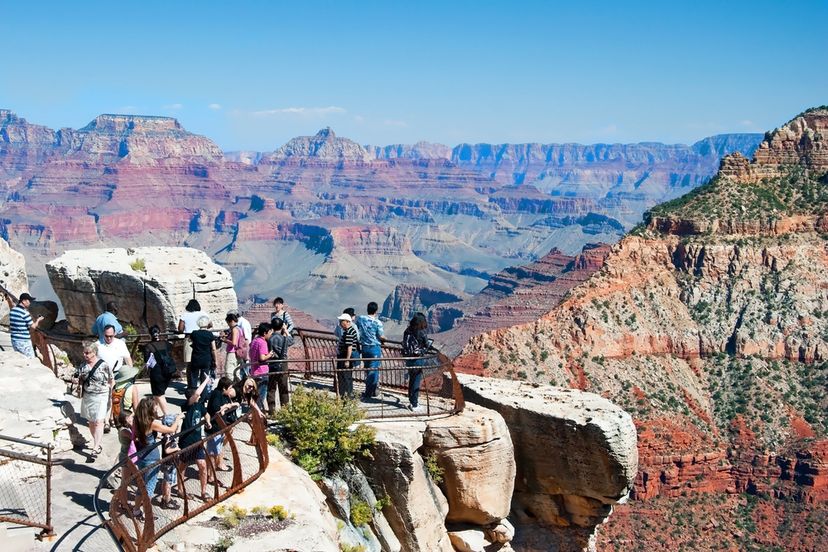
(158, 426)
(8, 300)
(127, 356)
(34, 324)
(196, 396)
(134, 395)
(213, 351)
(119, 330)
(180, 326)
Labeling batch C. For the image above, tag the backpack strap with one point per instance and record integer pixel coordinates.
(91, 373)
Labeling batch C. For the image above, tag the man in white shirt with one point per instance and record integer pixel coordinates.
(114, 351)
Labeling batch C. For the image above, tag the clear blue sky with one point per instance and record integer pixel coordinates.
(251, 75)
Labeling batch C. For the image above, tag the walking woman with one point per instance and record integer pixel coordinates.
(97, 382)
(159, 380)
(203, 360)
(147, 427)
(415, 344)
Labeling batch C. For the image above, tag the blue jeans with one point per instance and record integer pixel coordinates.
(150, 476)
(371, 374)
(415, 379)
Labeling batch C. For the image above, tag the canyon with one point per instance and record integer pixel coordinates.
(708, 324)
(323, 220)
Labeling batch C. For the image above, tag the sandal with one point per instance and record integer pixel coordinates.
(170, 504)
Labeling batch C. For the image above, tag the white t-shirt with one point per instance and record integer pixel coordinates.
(191, 320)
(244, 324)
(113, 353)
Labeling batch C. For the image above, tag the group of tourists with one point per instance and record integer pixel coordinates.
(255, 377)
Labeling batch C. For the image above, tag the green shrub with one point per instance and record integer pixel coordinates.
(279, 513)
(318, 427)
(433, 468)
(272, 439)
(361, 513)
(223, 544)
(382, 503)
(351, 547)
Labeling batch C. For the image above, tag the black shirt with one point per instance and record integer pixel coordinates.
(202, 352)
(214, 404)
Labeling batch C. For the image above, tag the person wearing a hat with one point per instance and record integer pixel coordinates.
(348, 342)
(108, 318)
(21, 324)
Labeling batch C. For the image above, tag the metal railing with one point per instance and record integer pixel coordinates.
(23, 502)
(136, 517)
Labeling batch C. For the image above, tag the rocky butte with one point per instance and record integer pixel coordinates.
(708, 323)
(352, 219)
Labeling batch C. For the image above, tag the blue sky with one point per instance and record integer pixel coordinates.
(251, 75)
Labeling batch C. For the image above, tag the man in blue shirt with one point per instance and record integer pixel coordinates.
(21, 324)
(108, 318)
(371, 337)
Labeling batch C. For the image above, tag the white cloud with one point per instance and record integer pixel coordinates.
(301, 111)
(174, 106)
(214, 106)
(394, 123)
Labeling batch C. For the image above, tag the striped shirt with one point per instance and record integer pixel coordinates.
(349, 339)
(286, 318)
(19, 322)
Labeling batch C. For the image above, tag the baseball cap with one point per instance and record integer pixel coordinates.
(24, 296)
(344, 316)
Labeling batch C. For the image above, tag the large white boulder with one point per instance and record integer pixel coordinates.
(30, 408)
(151, 285)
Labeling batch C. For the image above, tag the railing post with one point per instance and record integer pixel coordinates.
(50, 530)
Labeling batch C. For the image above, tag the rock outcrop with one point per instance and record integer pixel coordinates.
(28, 410)
(12, 274)
(418, 508)
(576, 452)
(151, 285)
(475, 450)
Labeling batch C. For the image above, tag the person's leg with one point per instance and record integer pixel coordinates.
(192, 376)
(414, 382)
(231, 364)
(201, 463)
(284, 389)
(272, 386)
(92, 432)
(371, 370)
(161, 401)
(349, 380)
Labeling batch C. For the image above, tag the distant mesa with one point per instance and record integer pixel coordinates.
(323, 146)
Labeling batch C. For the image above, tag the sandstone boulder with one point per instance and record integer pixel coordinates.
(30, 408)
(576, 452)
(151, 285)
(418, 508)
(475, 450)
(12, 274)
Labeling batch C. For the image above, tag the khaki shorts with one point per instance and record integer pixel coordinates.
(188, 349)
(231, 362)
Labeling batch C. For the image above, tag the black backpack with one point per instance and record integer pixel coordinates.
(164, 362)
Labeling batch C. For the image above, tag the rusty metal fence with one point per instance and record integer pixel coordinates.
(136, 516)
(26, 484)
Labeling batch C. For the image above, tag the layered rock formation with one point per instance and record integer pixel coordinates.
(151, 285)
(708, 326)
(126, 180)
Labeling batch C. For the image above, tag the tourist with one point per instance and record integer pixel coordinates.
(350, 311)
(244, 324)
(280, 312)
(147, 425)
(107, 318)
(21, 324)
(125, 392)
(259, 355)
(220, 405)
(114, 351)
(231, 338)
(371, 338)
(279, 342)
(345, 347)
(96, 383)
(203, 356)
(415, 344)
(187, 324)
(159, 378)
(191, 433)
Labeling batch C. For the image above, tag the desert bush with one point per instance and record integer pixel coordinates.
(322, 432)
(433, 468)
